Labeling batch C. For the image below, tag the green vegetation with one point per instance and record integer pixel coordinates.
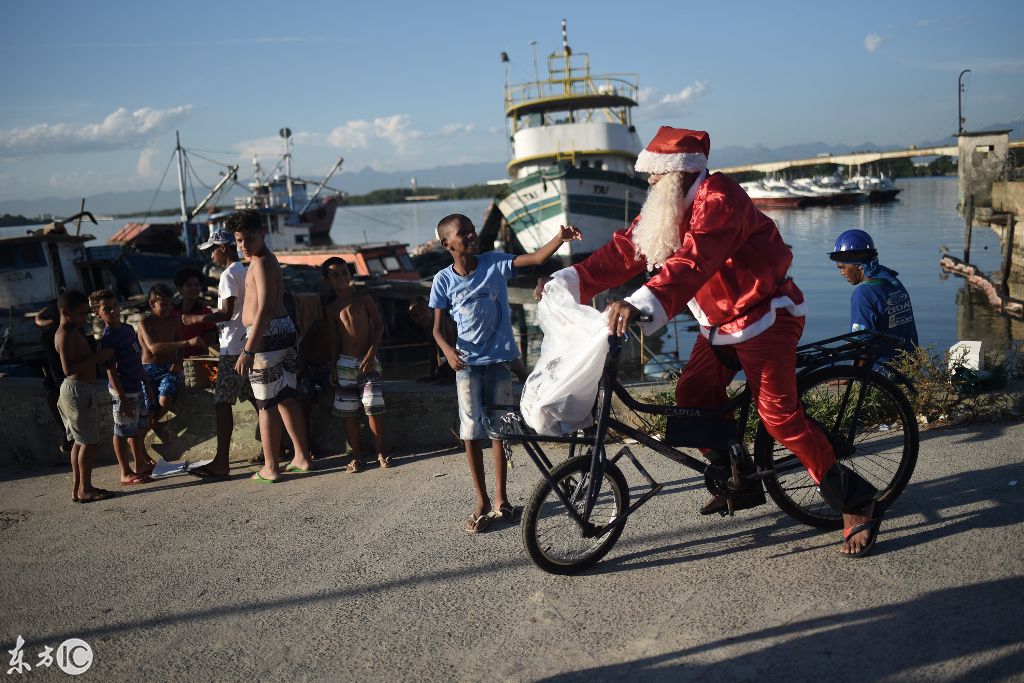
(397, 194)
(8, 220)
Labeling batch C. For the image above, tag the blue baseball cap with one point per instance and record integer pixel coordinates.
(218, 236)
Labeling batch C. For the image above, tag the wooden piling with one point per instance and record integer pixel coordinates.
(1007, 254)
(969, 224)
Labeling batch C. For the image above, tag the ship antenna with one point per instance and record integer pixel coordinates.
(565, 41)
(536, 71)
(566, 52)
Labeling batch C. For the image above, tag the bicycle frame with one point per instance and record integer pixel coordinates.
(860, 348)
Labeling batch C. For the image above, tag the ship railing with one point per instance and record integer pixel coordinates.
(609, 84)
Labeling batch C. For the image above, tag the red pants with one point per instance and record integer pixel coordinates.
(769, 362)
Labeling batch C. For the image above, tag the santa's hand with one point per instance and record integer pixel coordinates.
(620, 315)
(538, 291)
(570, 233)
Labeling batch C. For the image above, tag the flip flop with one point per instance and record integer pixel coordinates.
(137, 479)
(872, 526)
(507, 513)
(476, 525)
(98, 494)
(295, 469)
(205, 473)
(263, 480)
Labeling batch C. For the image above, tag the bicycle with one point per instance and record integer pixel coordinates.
(577, 512)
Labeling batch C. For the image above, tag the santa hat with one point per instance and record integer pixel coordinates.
(675, 150)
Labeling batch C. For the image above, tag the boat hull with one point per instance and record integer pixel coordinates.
(779, 202)
(597, 202)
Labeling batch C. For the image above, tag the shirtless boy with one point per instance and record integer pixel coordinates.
(269, 355)
(77, 403)
(162, 346)
(355, 335)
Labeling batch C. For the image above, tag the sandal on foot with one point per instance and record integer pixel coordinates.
(98, 494)
(476, 525)
(870, 526)
(137, 479)
(204, 472)
(355, 465)
(295, 469)
(507, 513)
(383, 460)
(260, 479)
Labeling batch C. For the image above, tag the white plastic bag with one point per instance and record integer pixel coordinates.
(559, 394)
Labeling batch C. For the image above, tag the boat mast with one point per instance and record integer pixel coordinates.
(286, 133)
(323, 183)
(181, 192)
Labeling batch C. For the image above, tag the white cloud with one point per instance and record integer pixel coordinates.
(121, 129)
(144, 167)
(352, 135)
(872, 42)
(358, 134)
(655, 104)
(273, 145)
(689, 94)
(450, 130)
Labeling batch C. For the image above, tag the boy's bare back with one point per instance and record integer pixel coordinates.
(157, 330)
(356, 320)
(73, 349)
(263, 282)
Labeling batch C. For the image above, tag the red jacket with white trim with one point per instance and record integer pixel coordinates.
(730, 267)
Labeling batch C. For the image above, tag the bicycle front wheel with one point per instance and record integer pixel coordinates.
(872, 426)
(553, 539)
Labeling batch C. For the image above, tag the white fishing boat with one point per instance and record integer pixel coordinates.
(573, 148)
(36, 266)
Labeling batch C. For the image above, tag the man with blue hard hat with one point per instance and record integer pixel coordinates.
(880, 302)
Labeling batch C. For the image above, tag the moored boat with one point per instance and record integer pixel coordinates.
(573, 148)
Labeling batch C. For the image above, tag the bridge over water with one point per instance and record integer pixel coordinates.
(855, 159)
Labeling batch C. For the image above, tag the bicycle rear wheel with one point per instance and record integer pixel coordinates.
(552, 539)
(874, 432)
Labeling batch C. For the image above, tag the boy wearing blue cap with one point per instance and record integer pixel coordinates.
(230, 385)
(879, 302)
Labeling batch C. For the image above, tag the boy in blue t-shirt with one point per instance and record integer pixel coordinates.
(879, 302)
(128, 387)
(474, 291)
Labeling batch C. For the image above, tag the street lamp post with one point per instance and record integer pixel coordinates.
(960, 102)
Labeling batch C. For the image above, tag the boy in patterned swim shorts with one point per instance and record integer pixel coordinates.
(356, 329)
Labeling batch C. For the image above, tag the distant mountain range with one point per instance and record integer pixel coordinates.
(366, 180)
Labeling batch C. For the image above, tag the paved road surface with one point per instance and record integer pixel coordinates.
(368, 577)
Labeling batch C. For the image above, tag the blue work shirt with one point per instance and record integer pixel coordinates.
(884, 306)
(478, 303)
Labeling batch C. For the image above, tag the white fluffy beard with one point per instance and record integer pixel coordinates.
(656, 235)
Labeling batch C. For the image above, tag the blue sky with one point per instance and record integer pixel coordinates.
(93, 92)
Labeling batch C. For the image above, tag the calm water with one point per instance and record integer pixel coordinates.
(910, 234)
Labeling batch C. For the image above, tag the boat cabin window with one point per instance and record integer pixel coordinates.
(407, 264)
(375, 266)
(29, 255)
(392, 264)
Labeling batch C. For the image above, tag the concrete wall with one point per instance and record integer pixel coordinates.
(419, 417)
(983, 159)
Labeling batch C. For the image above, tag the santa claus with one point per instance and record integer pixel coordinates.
(714, 252)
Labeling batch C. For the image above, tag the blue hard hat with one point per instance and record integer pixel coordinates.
(854, 246)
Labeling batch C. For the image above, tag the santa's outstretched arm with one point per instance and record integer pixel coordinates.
(608, 267)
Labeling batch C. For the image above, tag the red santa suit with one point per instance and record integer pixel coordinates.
(730, 271)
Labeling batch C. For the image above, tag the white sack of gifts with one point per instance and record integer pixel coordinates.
(559, 394)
